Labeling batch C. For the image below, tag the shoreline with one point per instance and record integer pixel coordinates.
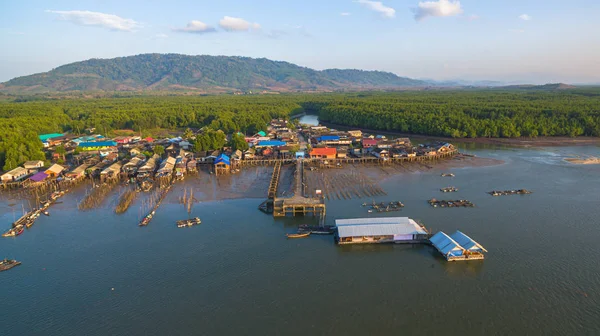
(515, 142)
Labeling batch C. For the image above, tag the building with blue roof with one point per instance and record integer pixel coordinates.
(99, 145)
(46, 137)
(222, 164)
(271, 143)
(452, 248)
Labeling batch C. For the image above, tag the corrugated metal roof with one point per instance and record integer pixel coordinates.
(271, 143)
(98, 144)
(39, 177)
(386, 226)
(45, 137)
(222, 158)
(466, 242)
(446, 245)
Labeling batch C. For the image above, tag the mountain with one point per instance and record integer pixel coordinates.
(202, 74)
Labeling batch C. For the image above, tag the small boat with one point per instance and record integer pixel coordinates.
(447, 174)
(46, 213)
(20, 231)
(298, 235)
(7, 264)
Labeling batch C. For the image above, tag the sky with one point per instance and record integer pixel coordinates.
(516, 41)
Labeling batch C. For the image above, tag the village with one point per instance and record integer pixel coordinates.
(155, 165)
(73, 157)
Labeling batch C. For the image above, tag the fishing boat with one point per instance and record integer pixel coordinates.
(188, 222)
(46, 213)
(7, 264)
(19, 231)
(297, 235)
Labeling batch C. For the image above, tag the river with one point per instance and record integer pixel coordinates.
(97, 273)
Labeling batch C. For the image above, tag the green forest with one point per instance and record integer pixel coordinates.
(458, 114)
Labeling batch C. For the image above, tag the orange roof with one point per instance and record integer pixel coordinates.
(323, 151)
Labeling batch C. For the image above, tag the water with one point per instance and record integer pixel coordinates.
(237, 274)
(310, 119)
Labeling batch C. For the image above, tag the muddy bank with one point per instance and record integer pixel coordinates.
(516, 142)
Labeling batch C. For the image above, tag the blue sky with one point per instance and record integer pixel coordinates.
(512, 40)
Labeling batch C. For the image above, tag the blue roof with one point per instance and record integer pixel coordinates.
(45, 137)
(222, 158)
(300, 154)
(446, 245)
(328, 138)
(271, 143)
(262, 134)
(466, 242)
(98, 144)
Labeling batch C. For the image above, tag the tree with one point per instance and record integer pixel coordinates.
(60, 150)
(238, 141)
(159, 150)
(188, 134)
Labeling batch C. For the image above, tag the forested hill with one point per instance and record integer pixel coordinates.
(201, 74)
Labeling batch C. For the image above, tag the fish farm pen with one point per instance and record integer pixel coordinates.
(450, 204)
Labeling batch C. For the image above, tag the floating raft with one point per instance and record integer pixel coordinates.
(188, 222)
(7, 264)
(318, 230)
(451, 204)
(509, 192)
(384, 207)
(449, 189)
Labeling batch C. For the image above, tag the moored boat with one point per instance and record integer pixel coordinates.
(298, 235)
(46, 213)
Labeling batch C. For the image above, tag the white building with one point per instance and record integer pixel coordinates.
(379, 230)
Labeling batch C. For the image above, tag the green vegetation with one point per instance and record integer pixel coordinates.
(174, 72)
(489, 113)
(461, 114)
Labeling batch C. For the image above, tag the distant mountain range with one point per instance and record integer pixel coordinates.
(210, 74)
(215, 74)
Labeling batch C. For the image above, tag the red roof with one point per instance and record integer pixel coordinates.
(371, 142)
(149, 139)
(327, 151)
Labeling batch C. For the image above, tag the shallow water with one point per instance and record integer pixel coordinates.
(237, 274)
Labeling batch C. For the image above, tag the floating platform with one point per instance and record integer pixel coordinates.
(450, 204)
(509, 192)
(449, 189)
(7, 264)
(188, 222)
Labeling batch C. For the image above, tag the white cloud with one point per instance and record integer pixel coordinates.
(516, 31)
(473, 17)
(379, 7)
(87, 18)
(161, 36)
(233, 24)
(438, 8)
(196, 27)
(345, 14)
(525, 17)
